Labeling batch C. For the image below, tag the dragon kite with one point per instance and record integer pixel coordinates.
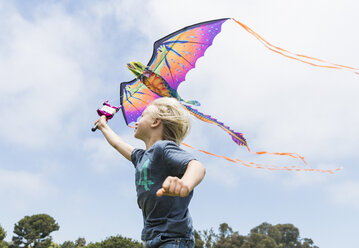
(173, 57)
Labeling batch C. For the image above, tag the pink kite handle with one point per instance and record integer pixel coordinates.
(108, 111)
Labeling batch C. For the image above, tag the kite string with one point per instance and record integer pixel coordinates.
(296, 56)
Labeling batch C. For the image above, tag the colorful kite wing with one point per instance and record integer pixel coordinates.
(182, 49)
(135, 97)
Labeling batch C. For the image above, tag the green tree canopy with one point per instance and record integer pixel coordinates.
(290, 234)
(227, 238)
(199, 243)
(34, 231)
(2, 233)
(263, 236)
(68, 244)
(257, 240)
(116, 242)
(80, 242)
(268, 230)
(3, 244)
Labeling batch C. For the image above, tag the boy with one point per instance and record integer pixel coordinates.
(165, 174)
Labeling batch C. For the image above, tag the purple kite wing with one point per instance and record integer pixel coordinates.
(182, 49)
(135, 97)
(177, 53)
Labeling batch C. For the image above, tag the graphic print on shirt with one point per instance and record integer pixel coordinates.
(143, 177)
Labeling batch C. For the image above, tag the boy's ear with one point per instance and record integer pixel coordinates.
(156, 122)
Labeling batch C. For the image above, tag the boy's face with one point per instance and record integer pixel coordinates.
(143, 125)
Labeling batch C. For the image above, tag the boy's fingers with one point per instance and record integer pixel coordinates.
(166, 183)
(172, 187)
(160, 192)
(102, 117)
(101, 121)
(177, 189)
(98, 120)
(166, 187)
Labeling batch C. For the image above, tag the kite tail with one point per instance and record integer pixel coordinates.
(302, 58)
(236, 137)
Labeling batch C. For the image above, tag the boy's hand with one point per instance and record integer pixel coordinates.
(102, 122)
(173, 186)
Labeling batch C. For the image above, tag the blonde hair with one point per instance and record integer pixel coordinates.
(174, 117)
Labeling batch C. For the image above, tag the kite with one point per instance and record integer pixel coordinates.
(173, 57)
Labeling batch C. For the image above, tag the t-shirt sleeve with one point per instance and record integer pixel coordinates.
(176, 159)
(136, 156)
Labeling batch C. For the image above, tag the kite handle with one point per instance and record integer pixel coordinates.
(94, 128)
(108, 111)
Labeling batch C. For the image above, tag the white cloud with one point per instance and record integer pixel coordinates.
(42, 79)
(222, 174)
(102, 156)
(24, 183)
(346, 193)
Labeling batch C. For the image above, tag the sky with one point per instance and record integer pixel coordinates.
(60, 60)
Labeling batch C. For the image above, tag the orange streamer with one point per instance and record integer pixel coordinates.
(263, 166)
(288, 54)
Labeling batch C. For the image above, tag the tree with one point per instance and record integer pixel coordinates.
(227, 238)
(68, 244)
(257, 240)
(264, 235)
(34, 231)
(80, 242)
(269, 230)
(3, 244)
(237, 240)
(2, 234)
(53, 245)
(290, 235)
(116, 242)
(223, 239)
(308, 243)
(198, 242)
(209, 237)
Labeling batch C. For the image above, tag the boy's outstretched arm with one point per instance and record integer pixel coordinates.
(174, 186)
(113, 139)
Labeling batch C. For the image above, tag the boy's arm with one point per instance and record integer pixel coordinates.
(174, 186)
(113, 139)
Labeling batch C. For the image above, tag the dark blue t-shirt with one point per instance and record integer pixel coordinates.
(165, 215)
